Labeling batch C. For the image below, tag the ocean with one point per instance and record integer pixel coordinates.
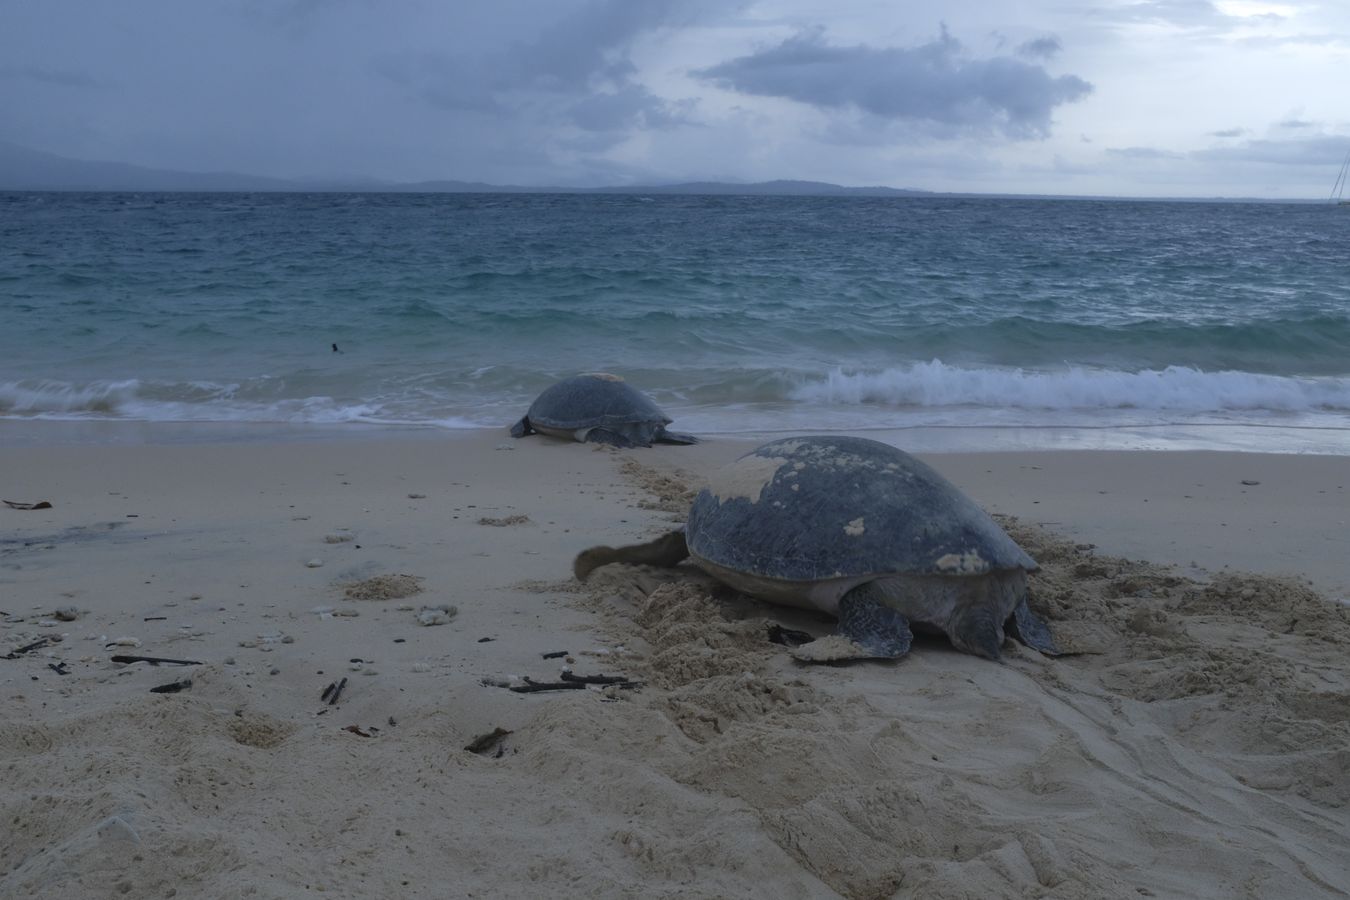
(980, 323)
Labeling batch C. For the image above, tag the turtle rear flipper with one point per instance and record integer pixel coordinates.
(868, 629)
(668, 550)
(1025, 626)
(975, 629)
(674, 437)
(522, 428)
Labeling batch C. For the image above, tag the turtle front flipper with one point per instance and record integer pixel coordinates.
(868, 629)
(674, 437)
(668, 550)
(522, 428)
(1025, 626)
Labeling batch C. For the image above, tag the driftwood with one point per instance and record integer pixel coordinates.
(599, 679)
(533, 687)
(40, 642)
(332, 692)
(41, 504)
(172, 687)
(556, 654)
(570, 682)
(156, 660)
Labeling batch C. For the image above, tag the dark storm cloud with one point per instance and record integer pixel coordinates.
(932, 83)
(631, 106)
(589, 45)
(575, 71)
(1047, 47)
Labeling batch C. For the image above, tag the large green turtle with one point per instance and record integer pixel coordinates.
(599, 408)
(860, 530)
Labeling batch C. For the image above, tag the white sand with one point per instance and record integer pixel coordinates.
(1198, 748)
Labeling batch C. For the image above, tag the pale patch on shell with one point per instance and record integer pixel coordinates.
(746, 478)
(855, 528)
(603, 376)
(968, 563)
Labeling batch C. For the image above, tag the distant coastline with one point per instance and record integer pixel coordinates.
(23, 169)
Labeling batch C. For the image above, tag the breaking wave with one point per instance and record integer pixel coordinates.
(936, 384)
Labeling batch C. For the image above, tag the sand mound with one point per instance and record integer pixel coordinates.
(383, 587)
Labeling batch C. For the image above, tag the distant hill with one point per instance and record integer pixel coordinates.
(788, 188)
(22, 169)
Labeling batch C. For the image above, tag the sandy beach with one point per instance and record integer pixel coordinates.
(1196, 743)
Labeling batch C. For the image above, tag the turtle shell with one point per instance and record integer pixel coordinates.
(590, 401)
(812, 508)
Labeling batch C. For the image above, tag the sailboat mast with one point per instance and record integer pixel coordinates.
(1338, 189)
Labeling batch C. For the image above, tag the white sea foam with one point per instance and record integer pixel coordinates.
(57, 398)
(936, 384)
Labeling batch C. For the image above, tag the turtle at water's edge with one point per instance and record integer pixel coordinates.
(598, 408)
(860, 530)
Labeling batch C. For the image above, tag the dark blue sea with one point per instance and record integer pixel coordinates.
(994, 321)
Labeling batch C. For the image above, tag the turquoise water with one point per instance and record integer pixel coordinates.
(738, 314)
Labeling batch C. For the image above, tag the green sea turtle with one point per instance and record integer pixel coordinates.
(859, 530)
(599, 408)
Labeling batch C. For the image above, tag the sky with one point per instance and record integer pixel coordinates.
(1177, 98)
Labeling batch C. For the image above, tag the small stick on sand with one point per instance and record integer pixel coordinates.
(42, 642)
(599, 679)
(556, 654)
(332, 692)
(156, 660)
(534, 687)
(172, 687)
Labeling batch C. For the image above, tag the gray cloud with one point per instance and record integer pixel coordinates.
(630, 106)
(934, 83)
(576, 71)
(58, 77)
(565, 91)
(1322, 150)
(1295, 124)
(1047, 48)
(1143, 153)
